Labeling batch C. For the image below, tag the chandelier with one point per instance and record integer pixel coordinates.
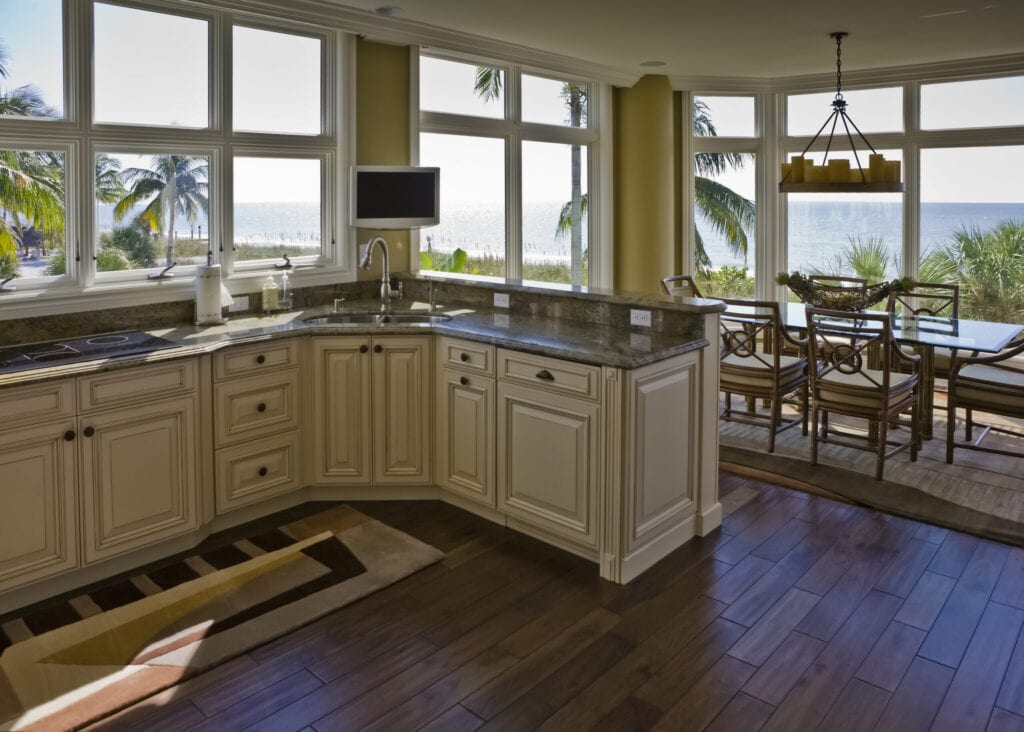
(801, 175)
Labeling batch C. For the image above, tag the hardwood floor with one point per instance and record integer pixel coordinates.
(800, 613)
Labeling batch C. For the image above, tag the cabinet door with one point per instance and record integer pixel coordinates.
(140, 475)
(341, 410)
(401, 410)
(548, 461)
(465, 435)
(37, 492)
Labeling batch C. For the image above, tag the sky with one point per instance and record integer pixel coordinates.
(138, 93)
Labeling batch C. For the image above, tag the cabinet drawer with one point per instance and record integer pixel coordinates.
(256, 405)
(25, 405)
(136, 384)
(257, 470)
(467, 356)
(551, 374)
(255, 358)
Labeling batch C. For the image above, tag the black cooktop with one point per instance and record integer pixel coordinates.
(73, 350)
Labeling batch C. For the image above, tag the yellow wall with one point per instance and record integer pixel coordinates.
(644, 186)
(382, 130)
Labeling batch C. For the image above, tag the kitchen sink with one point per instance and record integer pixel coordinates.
(377, 319)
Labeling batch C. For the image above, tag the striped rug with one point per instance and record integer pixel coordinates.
(69, 663)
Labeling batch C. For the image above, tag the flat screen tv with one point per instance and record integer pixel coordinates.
(393, 197)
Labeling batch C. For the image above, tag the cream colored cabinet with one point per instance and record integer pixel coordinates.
(465, 435)
(38, 523)
(257, 422)
(549, 446)
(139, 456)
(371, 410)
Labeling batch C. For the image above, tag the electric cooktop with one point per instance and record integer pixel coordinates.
(74, 350)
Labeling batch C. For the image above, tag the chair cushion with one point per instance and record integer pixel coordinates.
(998, 390)
(741, 373)
(866, 393)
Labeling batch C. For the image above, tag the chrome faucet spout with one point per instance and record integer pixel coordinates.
(386, 291)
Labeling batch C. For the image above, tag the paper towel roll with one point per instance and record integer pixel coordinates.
(209, 295)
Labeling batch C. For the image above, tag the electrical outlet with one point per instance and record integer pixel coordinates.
(240, 305)
(640, 317)
(501, 299)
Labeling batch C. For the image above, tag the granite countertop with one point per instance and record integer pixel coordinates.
(569, 339)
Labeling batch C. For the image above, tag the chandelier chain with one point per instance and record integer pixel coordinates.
(839, 66)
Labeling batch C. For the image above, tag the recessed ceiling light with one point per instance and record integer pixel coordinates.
(388, 11)
(652, 64)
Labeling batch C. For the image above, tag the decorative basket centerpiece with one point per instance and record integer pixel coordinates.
(833, 297)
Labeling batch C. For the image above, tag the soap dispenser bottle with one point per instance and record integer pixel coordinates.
(284, 299)
(269, 295)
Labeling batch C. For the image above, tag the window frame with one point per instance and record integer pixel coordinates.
(515, 132)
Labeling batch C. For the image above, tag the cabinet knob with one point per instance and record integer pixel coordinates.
(89, 431)
(262, 471)
(464, 381)
(364, 348)
(464, 357)
(261, 407)
(378, 348)
(69, 435)
(261, 359)
(545, 375)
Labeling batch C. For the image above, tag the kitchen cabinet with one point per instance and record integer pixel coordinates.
(140, 459)
(465, 419)
(549, 445)
(371, 410)
(257, 423)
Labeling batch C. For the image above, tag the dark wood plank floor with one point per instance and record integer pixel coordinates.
(799, 614)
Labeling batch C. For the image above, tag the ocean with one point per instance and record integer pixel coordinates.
(817, 230)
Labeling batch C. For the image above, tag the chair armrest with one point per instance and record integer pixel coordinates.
(1013, 348)
(911, 358)
(798, 342)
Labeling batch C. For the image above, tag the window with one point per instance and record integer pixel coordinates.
(546, 156)
(873, 110)
(264, 60)
(151, 210)
(31, 59)
(978, 103)
(472, 205)
(32, 214)
(724, 117)
(724, 222)
(137, 92)
(277, 208)
(972, 228)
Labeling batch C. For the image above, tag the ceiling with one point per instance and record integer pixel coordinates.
(734, 38)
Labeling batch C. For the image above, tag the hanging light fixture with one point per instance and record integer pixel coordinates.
(801, 175)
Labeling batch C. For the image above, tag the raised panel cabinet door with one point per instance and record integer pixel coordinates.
(139, 476)
(465, 435)
(548, 461)
(38, 535)
(341, 410)
(401, 410)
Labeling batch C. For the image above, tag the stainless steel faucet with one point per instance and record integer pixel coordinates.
(386, 291)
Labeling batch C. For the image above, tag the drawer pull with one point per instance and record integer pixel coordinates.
(464, 381)
(464, 357)
(69, 435)
(261, 407)
(89, 431)
(364, 348)
(545, 375)
(262, 472)
(378, 348)
(261, 359)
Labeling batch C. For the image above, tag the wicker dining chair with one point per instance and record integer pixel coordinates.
(989, 384)
(847, 382)
(680, 286)
(754, 366)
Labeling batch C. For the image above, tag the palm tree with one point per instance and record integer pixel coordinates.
(488, 86)
(728, 213)
(174, 185)
(31, 190)
(109, 186)
(24, 101)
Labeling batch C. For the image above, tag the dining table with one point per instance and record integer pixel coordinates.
(924, 333)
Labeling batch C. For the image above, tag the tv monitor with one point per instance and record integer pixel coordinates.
(395, 197)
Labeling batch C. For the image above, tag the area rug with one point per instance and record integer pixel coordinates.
(67, 677)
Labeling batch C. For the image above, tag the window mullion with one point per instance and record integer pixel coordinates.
(513, 177)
